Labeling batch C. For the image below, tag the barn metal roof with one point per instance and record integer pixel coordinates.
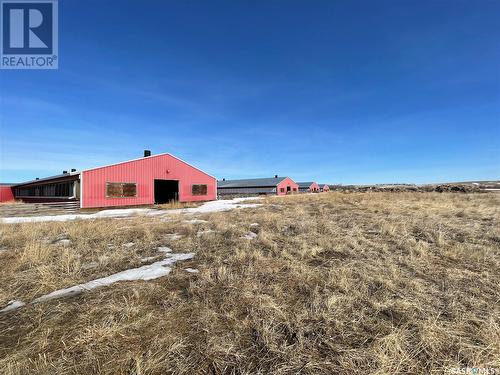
(56, 177)
(250, 182)
(304, 184)
(248, 190)
(148, 157)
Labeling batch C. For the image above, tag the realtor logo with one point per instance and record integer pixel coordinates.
(29, 37)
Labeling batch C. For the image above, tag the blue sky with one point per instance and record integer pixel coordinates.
(332, 91)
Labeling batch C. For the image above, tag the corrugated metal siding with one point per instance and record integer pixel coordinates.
(6, 194)
(143, 172)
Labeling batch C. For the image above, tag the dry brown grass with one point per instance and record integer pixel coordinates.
(384, 283)
(11, 202)
(173, 205)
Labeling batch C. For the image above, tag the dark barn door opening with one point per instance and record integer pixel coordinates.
(166, 191)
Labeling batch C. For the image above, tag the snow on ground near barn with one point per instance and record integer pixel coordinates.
(208, 207)
(148, 272)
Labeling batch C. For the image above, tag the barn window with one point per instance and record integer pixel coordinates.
(62, 189)
(294, 189)
(121, 189)
(282, 190)
(199, 189)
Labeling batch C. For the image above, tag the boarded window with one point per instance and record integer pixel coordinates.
(129, 190)
(282, 190)
(199, 189)
(121, 189)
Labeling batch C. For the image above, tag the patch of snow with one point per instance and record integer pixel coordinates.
(254, 225)
(12, 305)
(128, 244)
(64, 242)
(491, 189)
(165, 249)
(205, 232)
(195, 221)
(148, 272)
(173, 236)
(250, 236)
(207, 207)
(191, 270)
(222, 205)
(116, 213)
(147, 259)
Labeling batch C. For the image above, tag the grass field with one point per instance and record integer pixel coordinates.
(382, 283)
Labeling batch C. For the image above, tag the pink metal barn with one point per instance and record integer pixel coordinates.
(148, 180)
(153, 179)
(325, 188)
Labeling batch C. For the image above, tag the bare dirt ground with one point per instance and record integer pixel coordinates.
(349, 283)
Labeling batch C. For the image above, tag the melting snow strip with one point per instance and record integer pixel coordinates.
(212, 206)
(147, 272)
(12, 305)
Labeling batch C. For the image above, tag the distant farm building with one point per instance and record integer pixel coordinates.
(273, 185)
(324, 187)
(308, 187)
(152, 179)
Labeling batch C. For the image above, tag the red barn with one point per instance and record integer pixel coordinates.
(148, 180)
(325, 187)
(6, 193)
(153, 179)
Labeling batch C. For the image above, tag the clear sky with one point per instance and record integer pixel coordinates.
(332, 91)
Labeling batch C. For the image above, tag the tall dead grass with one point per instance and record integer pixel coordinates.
(382, 283)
